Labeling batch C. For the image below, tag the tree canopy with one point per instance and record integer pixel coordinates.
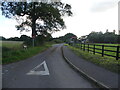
(67, 37)
(37, 16)
(99, 37)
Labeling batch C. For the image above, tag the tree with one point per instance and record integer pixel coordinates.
(24, 37)
(110, 37)
(37, 16)
(40, 39)
(96, 37)
(2, 38)
(67, 37)
(13, 39)
(99, 37)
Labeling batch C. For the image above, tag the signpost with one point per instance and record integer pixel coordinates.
(33, 40)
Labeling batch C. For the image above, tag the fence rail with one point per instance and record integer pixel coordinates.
(104, 50)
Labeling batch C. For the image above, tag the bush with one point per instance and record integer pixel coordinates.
(57, 41)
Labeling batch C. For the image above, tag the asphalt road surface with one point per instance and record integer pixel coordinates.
(45, 70)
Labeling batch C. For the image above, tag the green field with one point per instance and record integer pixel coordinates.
(105, 47)
(12, 44)
(12, 51)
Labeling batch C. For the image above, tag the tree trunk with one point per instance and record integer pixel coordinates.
(33, 28)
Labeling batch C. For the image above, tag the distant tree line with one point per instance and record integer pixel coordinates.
(93, 37)
(22, 38)
(40, 39)
(100, 37)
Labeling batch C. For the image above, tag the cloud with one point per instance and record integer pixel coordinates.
(103, 6)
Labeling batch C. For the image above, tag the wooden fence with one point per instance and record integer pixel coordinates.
(104, 50)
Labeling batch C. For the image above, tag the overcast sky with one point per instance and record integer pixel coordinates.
(88, 16)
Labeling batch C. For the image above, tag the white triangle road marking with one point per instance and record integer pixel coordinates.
(33, 72)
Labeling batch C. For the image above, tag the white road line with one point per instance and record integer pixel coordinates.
(33, 72)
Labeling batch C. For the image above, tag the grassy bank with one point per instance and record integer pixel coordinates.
(13, 53)
(106, 62)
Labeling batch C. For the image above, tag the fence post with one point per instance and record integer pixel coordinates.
(94, 49)
(102, 50)
(117, 53)
(84, 47)
(81, 46)
(88, 47)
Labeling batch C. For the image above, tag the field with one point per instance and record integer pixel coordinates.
(106, 47)
(12, 44)
(12, 51)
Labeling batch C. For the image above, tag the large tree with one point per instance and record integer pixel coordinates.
(96, 37)
(67, 37)
(99, 37)
(37, 16)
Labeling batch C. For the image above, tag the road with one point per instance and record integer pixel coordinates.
(45, 70)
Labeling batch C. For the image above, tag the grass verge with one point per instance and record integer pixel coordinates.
(10, 55)
(105, 62)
